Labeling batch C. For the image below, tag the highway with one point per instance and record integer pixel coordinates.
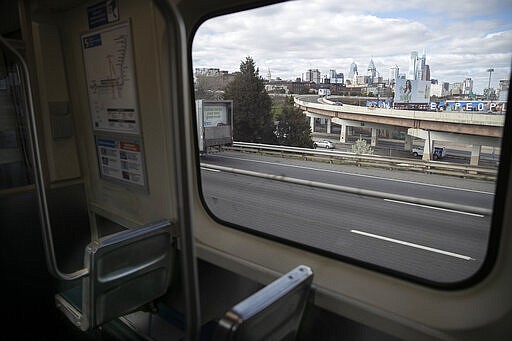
(426, 242)
(396, 149)
(454, 153)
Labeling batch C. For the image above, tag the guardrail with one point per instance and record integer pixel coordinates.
(365, 160)
(357, 191)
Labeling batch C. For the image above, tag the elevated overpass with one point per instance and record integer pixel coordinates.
(473, 128)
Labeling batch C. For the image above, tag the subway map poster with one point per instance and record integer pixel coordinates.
(110, 74)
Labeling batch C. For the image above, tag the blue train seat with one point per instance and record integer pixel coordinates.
(125, 271)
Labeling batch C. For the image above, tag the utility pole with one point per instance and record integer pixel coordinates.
(490, 70)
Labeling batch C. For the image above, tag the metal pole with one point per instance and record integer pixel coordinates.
(44, 215)
(490, 70)
(177, 40)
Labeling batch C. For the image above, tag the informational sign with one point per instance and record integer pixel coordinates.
(215, 115)
(103, 13)
(121, 159)
(110, 74)
(412, 91)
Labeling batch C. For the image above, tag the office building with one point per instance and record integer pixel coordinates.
(372, 71)
(393, 74)
(312, 75)
(352, 73)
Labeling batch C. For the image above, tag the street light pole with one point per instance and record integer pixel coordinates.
(490, 70)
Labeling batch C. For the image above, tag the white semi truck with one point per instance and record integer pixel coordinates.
(214, 123)
(324, 92)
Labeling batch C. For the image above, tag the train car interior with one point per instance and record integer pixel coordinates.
(115, 227)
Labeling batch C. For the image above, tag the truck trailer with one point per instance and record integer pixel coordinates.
(214, 123)
(324, 92)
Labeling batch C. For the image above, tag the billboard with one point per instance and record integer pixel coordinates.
(378, 104)
(215, 115)
(412, 91)
(462, 105)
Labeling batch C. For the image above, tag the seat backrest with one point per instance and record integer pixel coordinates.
(126, 270)
(272, 313)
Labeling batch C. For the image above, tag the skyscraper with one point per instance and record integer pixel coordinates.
(335, 78)
(418, 68)
(426, 73)
(313, 75)
(372, 71)
(467, 86)
(393, 74)
(353, 71)
(332, 74)
(413, 66)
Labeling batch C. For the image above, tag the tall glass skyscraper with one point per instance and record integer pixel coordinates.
(353, 71)
(418, 68)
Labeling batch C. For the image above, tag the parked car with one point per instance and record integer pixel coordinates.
(439, 152)
(323, 144)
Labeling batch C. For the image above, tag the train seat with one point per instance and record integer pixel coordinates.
(272, 313)
(125, 271)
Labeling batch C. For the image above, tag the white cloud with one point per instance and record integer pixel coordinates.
(461, 38)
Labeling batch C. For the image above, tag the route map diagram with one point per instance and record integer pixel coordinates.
(110, 77)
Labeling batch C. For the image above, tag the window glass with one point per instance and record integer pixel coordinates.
(368, 131)
(15, 167)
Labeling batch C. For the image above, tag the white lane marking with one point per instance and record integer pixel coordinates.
(434, 208)
(360, 175)
(427, 248)
(211, 169)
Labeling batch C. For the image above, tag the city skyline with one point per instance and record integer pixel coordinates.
(467, 40)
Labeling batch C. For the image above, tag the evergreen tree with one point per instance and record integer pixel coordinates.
(252, 114)
(293, 128)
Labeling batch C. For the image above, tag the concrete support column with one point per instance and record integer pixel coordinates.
(328, 126)
(475, 155)
(312, 124)
(343, 133)
(408, 143)
(374, 137)
(427, 150)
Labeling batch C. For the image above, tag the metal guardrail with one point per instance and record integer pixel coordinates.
(332, 156)
(357, 191)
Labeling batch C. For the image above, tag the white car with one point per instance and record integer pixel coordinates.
(323, 144)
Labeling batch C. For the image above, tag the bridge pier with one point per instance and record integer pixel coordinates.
(408, 142)
(475, 155)
(374, 137)
(344, 133)
(328, 126)
(475, 141)
(427, 149)
(311, 120)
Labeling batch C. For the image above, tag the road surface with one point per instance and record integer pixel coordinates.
(425, 242)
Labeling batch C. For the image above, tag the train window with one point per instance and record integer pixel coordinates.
(15, 168)
(369, 132)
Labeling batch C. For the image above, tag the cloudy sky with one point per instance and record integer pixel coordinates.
(462, 38)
